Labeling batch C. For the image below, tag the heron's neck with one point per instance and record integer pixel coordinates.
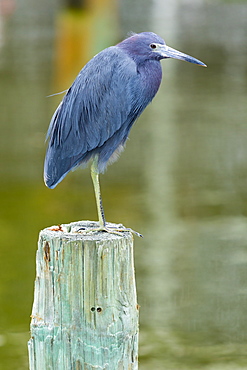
(151, 75)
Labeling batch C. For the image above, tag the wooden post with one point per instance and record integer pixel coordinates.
(85, 313)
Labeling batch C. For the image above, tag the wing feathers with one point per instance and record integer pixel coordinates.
(98, 104)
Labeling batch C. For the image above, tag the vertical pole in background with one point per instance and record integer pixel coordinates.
(85, 312)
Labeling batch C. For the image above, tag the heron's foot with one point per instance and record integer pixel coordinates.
(117, 230)
(120, 229)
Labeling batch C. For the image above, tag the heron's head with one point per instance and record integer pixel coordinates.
(148, 45)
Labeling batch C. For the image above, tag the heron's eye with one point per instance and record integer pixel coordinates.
(153, 46)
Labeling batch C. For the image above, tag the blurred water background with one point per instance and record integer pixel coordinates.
(181, 180)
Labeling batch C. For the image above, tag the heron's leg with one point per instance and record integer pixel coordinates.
(96, 185)
(102, 222)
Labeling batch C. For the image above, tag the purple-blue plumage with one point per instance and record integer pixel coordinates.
(99, 109)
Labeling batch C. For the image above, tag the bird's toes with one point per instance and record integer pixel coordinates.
(117, 230)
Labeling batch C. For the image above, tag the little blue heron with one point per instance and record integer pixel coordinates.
(96, 114)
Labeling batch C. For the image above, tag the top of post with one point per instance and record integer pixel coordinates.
(85, 230)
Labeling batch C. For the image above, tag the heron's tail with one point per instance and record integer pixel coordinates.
(56, 167)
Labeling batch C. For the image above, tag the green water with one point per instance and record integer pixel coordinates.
(181, 180)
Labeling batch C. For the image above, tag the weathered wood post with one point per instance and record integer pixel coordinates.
(85, 313)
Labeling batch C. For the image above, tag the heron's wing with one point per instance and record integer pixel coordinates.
(95, 115)
(98, 103)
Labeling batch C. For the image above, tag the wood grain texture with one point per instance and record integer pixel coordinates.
(85, 312)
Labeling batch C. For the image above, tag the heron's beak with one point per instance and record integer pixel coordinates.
(168, 52)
